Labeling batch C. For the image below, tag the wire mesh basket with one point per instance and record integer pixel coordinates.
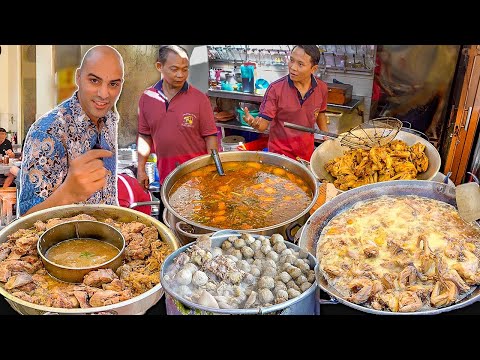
(374, 132)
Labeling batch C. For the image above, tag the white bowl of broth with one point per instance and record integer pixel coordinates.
(72, 249)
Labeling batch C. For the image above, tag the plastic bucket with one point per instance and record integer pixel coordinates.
(230, 143)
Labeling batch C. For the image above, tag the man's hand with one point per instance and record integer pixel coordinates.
(250, 120)
(142, 178)
(86, 175)
(10, 153)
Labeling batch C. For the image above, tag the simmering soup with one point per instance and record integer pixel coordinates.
(252, 195)
(79, 253)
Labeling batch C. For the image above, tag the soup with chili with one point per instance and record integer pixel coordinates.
(252, 195)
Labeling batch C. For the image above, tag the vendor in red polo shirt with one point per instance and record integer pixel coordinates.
(174, 117)
(299, 98)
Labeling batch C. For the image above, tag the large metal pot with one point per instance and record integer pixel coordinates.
(322, 154)
(134, 306)
(304, 304)
(311, 231)
(188, 230)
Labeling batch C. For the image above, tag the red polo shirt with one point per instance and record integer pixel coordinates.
(283, 102)
(130, 191)
(177, 127)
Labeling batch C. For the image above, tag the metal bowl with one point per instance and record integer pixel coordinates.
(135, 306)
(322, 155)
(80, 229)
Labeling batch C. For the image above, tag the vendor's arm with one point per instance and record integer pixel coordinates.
(211, 142)
(257, 123)
(208, 129)
(144, 146)
(322, 121)
(267, 112)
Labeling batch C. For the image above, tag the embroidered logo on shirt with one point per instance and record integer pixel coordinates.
(188, 120)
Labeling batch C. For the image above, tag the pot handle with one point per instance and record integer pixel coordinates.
(289, 229)
(331, 301)
(143, 203)
(187, 234)
(164, 217)
(303, 162)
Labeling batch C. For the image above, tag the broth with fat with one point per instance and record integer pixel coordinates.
(80, 253)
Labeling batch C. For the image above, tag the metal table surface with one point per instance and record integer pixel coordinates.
(158, 309)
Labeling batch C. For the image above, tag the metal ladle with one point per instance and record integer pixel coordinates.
(218, 162)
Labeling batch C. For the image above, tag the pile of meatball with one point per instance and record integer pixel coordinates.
(244, 272)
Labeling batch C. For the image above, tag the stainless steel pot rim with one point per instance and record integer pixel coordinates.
(381, 312)
(212, 229)
(120, 253)
(272, 227)
(100, 207)
(105, 308)
(255, 311)
(440, 187)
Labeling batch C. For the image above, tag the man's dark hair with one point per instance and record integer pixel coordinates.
(312, 51)
(166, 49)
(3, 130)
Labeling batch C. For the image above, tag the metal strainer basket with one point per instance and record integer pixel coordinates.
(374, 132)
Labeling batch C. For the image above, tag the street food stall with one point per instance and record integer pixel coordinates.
(368, 225)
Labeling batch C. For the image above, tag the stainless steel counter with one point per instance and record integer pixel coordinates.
(350, 106)
(224, 94)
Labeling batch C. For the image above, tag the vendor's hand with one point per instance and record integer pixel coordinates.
(250, 120)
(86, 175)
(142, 178)
(10, 153)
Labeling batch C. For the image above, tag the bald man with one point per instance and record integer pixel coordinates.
(70, 153)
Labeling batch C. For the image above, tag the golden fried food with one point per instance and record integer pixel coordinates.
(400, 253)
(394, 161)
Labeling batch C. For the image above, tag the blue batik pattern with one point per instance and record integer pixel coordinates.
(58, 137)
